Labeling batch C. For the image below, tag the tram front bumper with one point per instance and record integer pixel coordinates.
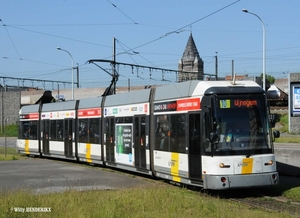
(221, 182)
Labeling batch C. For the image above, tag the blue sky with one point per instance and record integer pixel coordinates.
(151, 33)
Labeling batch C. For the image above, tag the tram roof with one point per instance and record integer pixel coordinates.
(176, 90)
(29, 109)
(90, 103)
(198, 88)
(134, 97)
(59, 106)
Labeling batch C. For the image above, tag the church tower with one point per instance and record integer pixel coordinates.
(190, 66)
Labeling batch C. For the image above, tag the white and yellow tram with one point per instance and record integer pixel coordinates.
(180, 132)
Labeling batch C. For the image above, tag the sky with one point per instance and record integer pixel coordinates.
(149, 33)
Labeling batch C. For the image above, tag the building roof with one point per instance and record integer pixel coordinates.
(190, 53)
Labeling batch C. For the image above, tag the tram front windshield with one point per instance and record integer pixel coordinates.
(242, 126)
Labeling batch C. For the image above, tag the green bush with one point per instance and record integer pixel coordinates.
(9, 130)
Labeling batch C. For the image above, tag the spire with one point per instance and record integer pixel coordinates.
(190, 53)
(190, 65)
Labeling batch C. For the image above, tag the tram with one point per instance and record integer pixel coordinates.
(181, 132)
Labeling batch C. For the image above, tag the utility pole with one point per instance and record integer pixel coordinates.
(114, 64)
(77, 70)
(216, 66)
(232, 67)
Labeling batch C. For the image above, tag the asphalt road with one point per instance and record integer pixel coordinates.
(44, 176)
(10, 142)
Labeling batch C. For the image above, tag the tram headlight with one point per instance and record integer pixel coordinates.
(270, 163)
(222, 165)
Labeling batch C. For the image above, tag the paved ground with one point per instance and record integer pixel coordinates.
(44, 175)
(8, 141)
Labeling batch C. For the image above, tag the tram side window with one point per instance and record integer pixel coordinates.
(94, 130)
(28, 130)
(20, 130)
(124, 120)
(162, 132)
(46, 128)
(83, 130)
(56, 130)
(59, 130)
(53, 130)
(170, 132)
(177, 141)
(89, 130)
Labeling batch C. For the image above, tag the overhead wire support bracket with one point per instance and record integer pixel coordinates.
(137, 66)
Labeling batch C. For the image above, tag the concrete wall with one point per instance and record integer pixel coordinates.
(287, 159)
(10, 103)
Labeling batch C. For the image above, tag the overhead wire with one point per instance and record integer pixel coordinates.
(81, 41)
(122, 12)
(11, 39)
(181, 28)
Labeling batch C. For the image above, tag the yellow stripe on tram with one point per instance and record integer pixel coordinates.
(88, 153)
(247, 166)
(27, 146)
(175, 167)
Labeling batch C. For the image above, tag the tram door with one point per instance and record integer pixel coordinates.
(194, 146)
(68, 141)
(45, 129)
(140, 142)
(110, 139)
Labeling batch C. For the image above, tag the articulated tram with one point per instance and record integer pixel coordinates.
(180, 132)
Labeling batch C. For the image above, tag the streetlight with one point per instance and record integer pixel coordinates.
(58, 48)
(264, 47)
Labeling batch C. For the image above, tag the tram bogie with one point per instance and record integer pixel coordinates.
(185, 133)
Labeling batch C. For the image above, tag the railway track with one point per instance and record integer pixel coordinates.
(272, 204)
(279, 108)
(262, 199)
(268, 199)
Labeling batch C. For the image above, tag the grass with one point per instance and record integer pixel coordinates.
(282, 125)
(10, 154)
(284, 122)
(293, 194)
(160, 201)
(288, 139)
(9, 131)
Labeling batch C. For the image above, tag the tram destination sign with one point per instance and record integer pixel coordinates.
(178, 105)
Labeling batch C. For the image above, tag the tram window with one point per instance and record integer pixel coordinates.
(170, 132)
(28, 130)
(59, 130)
(33, 132)
(162, 132)
(53, 132)
(20, 130)
(119, 120)
(83, 130)
(194, 134)
(45, 127)
(94, 130)
(124, 120)
(24, 130)
(177, 133)
(89, 130)
(128, 120)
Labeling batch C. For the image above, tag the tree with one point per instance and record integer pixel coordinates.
(269, 78)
